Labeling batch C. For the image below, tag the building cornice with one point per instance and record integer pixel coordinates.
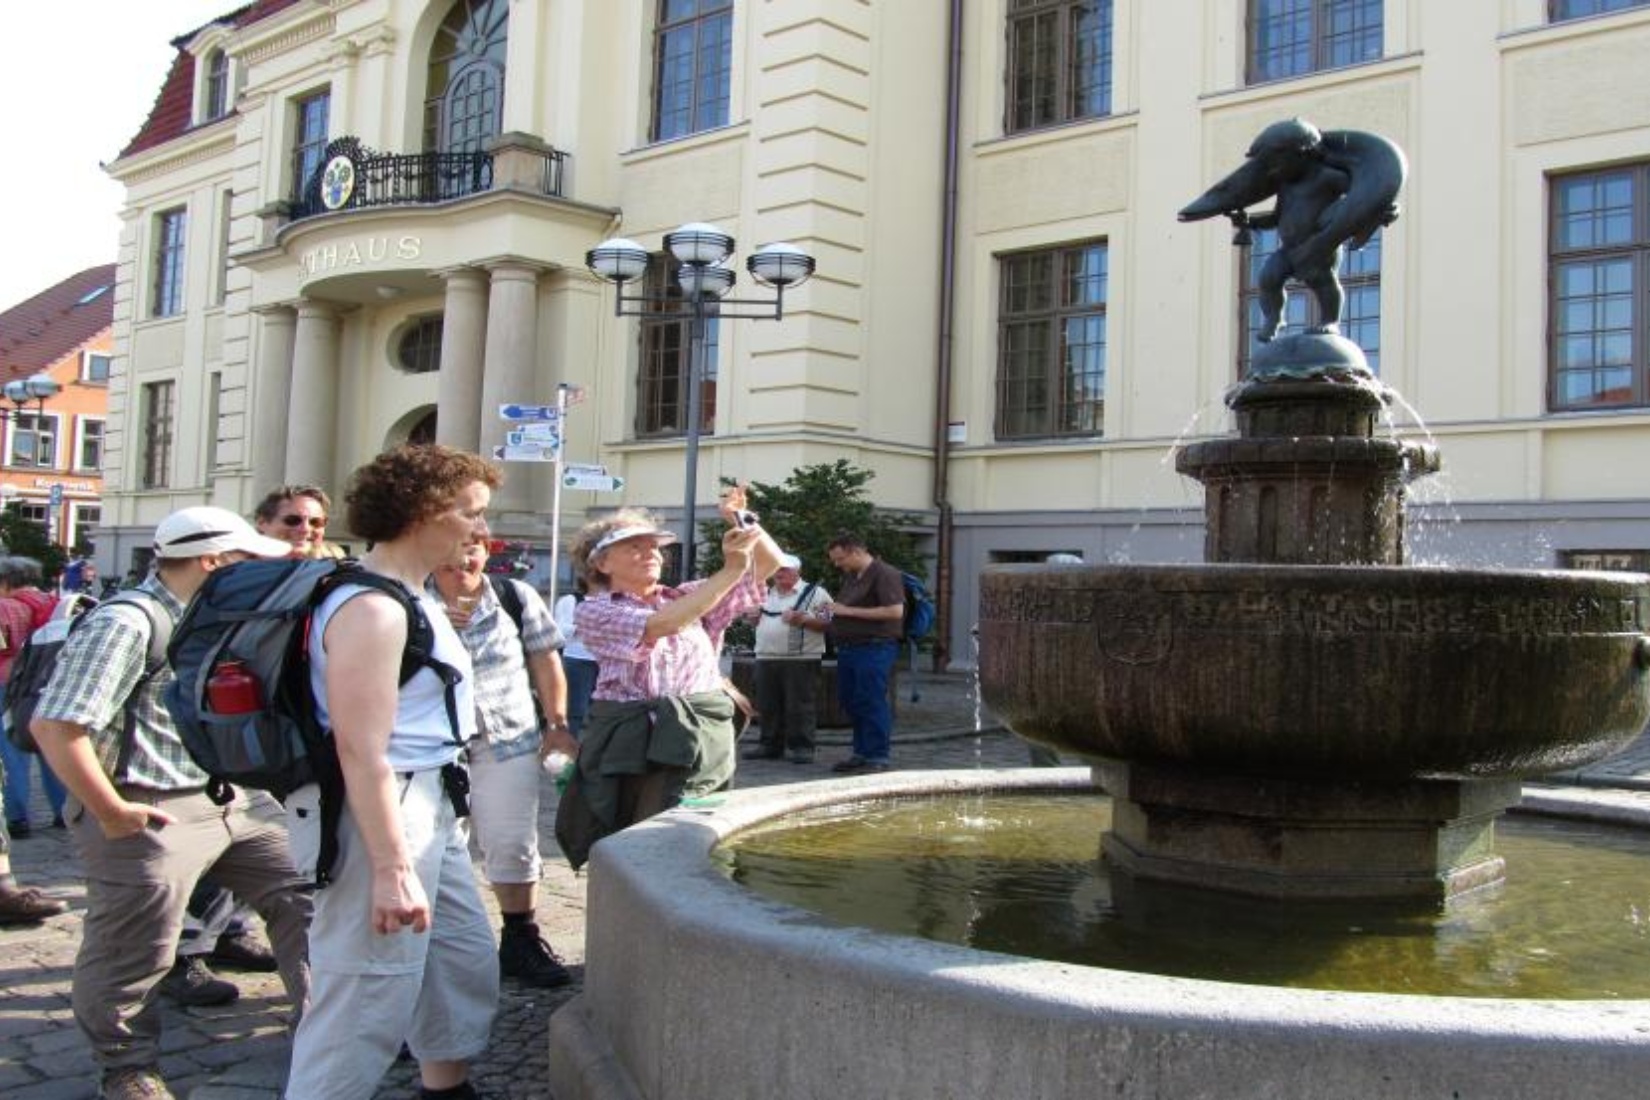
(287, 31)
(195, 147)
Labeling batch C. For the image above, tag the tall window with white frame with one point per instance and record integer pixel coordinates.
(89, 453)
(215, 91)
(692, 66)
(1296, 37)
(1560, 10)
(661, 383)
(1599, 279)
(309, 138)
(1360, 275)
(1051, 343)
(33, 441)
(167, 286)
(1059, 62)
(158, 408)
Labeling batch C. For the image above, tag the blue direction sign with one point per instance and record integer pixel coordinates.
(529, 412)
(55, 496)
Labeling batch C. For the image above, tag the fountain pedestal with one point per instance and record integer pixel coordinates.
(1424, 840)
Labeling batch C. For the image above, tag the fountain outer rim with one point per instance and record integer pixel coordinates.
(677, 846)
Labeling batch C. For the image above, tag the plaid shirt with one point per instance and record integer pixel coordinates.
(503, 690)
(97, 669)
(612, 623)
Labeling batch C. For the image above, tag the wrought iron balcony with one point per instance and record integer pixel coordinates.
(350, 176)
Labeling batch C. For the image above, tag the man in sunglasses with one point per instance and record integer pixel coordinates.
(296, 514)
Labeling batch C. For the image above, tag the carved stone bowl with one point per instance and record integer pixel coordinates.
(1345, 672)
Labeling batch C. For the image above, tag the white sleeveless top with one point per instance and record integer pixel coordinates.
(423, 736)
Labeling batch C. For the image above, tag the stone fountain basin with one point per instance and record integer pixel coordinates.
(695, 987)
(1364, 672)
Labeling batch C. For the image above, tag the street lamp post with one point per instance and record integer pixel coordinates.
(700, 251)
(22, 392)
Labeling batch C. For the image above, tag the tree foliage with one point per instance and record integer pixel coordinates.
(812, 506)
(27, 538)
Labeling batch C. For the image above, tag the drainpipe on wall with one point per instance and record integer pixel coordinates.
(943, 364)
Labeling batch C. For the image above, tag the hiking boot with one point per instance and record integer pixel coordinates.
(192, 984)
(134, 1083)
(524, 955)
(18, 829)
(242, 951)
(466, 1091)
(27, 905)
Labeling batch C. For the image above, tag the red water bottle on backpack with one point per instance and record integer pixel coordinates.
(232, 689)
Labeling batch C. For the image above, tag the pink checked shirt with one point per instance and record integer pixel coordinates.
(611, 626)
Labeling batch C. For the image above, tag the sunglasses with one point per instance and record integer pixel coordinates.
(319, 523)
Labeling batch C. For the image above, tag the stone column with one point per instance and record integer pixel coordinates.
(512, 344)
(312, 414)
(463, 343)
(274, 389)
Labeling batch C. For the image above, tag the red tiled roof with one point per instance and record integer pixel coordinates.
(170, 117)
(40, 331)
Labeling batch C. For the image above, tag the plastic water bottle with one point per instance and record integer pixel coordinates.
(232, 689)
(560, 767)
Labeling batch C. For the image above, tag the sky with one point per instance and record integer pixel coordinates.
(78, 81)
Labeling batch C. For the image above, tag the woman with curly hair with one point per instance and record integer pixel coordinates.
(661, 726)
(400, 945)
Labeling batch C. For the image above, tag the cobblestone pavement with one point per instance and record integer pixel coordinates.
(239, 1052)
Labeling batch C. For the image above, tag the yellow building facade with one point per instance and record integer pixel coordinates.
(1007, 324)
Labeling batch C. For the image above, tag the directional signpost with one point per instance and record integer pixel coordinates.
(595, 483)
(536, 434)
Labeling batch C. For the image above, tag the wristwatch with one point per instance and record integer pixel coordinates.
(557, 727)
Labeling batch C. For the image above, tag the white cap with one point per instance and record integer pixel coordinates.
(192, 532)
(789, 561)
(619, 534)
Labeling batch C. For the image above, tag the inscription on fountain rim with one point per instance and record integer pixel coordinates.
(1326, 613)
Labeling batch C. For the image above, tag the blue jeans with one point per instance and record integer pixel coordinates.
(17, 765)
(862, 673)
(581, 681)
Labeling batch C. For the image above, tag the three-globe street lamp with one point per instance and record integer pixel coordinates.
(22, 392)
(700, 251)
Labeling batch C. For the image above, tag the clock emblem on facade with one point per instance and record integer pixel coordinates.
(337, 182)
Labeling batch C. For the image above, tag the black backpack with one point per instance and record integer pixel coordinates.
(33, 668)
(249, 624)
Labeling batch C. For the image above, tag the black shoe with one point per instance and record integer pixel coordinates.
(466, 1091)
(849, 766)
(242, 951)
(760, 752)
(802, 757)
(18, 829)
(192, 984)
(524, 955)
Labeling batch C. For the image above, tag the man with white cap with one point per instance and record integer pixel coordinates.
(790, 645)
(139, 815)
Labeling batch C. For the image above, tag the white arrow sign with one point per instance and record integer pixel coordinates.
(539, 431)
(595, 483)
(594, 468)
(526, 452)
(529, 412)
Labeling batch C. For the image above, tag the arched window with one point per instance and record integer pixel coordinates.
(215, 93)
(418, 351)
(466, 79)
(423, 433)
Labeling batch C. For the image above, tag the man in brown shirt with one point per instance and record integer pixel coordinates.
(865, 623)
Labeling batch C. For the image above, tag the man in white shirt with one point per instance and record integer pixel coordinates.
(790, 644)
